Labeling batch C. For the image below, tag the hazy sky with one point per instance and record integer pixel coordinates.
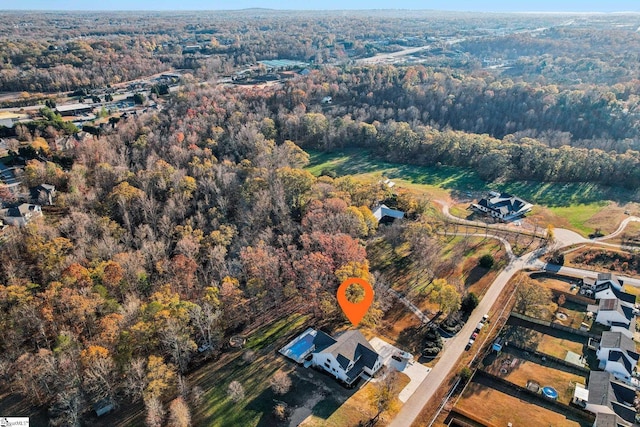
(456, 5)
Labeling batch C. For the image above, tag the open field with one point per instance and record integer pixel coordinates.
(504, 408)
(582, 207)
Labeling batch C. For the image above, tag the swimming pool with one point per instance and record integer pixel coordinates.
(300, 347)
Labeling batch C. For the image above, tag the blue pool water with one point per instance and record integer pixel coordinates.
(550, 392)
(302, 346)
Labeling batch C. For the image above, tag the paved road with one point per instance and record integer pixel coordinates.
(563, 237)
(455, 347)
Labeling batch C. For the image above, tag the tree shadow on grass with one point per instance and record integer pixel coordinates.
(475, 275)
(522, 337)
(411, 339)
(306, 384)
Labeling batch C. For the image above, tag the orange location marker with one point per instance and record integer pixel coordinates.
(355, 311)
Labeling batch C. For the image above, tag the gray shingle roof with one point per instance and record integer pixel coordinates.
(604, 390)
(617, 340)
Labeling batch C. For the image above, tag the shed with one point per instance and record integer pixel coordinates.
(102, 407)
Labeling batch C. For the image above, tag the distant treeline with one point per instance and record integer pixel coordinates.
(499, 128)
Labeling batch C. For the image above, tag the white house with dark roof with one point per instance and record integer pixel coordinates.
(20, 215)
(613, 312)
(384, 212)
(617, 354)
(608, 399)
(347, 357)
(503, 206)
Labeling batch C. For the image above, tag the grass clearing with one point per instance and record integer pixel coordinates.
(504, 409)
(359, 162)
(257, 406)
(582, 207)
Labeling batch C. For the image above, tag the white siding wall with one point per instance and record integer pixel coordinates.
(606, 317)
(323, 359)
(618, 370)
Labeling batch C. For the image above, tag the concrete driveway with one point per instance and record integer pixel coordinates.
(414, 370)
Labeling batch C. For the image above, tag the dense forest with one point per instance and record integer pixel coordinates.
(497, 127)
(179, 229)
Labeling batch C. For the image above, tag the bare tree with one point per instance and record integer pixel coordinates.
(155, 412)
(177, 343)
(135, 379)
(66, 410)
(280, 382)
(179, 413)
(235, 391)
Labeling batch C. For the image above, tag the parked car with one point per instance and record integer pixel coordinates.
(470, 343)
(204, 348)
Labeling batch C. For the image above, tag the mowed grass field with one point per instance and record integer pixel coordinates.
(582, 207)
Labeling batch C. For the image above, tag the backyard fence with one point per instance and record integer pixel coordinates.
(551, 360)
(553, 325)
(515, 390)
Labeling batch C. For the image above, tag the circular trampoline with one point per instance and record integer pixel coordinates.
(550, 392)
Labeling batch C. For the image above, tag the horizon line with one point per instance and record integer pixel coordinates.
(327, 10)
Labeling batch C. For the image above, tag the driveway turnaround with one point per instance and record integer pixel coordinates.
(414, 370)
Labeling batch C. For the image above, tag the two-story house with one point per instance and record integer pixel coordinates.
(347, 357)
(617, 354)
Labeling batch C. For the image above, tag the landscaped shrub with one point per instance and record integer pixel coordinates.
(486, 261)
(453, 323)
(432, 342)
(469, 303)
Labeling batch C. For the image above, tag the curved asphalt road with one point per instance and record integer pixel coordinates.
(454, 348)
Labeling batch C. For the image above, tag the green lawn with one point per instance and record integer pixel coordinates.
(579, 198)
(360, 163)
(578, 215)
(257, 406)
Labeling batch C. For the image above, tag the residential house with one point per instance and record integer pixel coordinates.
(617, 354)
(613, 312)
(20, 215)
(43, 193)
(607, 396)
(383, 213)
(610, 292)
(347, 357)
(502, 206)
(607, 420)
(592, 286)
